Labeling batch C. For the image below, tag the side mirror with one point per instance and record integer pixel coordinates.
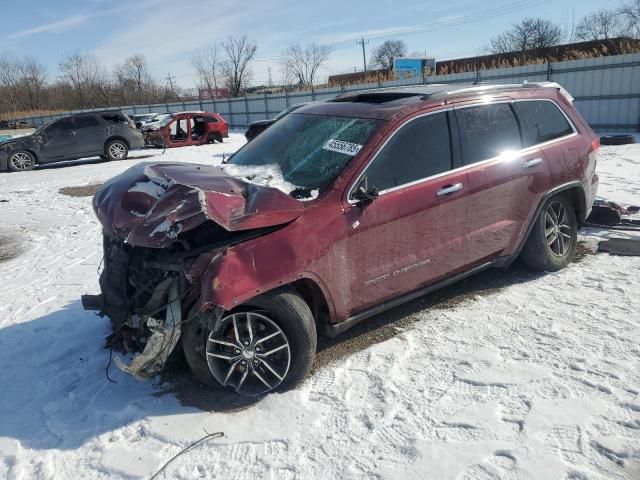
(365, 195)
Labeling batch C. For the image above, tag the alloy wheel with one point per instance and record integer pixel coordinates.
(250, 353)
(21, 161)
(117, 151)
(557, 229)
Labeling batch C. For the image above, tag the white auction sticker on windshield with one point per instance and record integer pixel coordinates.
(341, 146)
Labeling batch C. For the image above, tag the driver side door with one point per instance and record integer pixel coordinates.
(414, 233)
(59, 141)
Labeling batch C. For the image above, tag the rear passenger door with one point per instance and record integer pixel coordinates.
(505, 180)
(412, 234)
(89, 134)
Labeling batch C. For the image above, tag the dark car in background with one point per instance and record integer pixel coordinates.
(259, 126)
(108, 134)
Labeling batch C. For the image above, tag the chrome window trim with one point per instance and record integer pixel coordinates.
(517, 153)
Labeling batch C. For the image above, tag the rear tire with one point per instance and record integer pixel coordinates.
(218, 136)
(21, 161)
(552, 242)
(283, 308)
(116, 150)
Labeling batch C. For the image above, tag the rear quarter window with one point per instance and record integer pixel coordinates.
(114, 118)
(86, 122)
(212, 120)
(541, 122)
(486, 131)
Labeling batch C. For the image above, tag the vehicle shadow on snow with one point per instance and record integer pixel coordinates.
(55, 392)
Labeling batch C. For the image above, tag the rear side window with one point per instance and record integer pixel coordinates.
(486, 131)
(114, 118)
(420, 149)
(212, 120)
(86, 121)
(541, 121)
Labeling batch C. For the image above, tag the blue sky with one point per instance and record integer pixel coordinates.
(168, 32)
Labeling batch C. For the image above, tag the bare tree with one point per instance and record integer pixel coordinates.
(22, 82)
(631, 17)
(205, 64)
(33, 75)
(303, 61)
(10, 83)
(134, 83)
(601, 25)
(87, 80)
(529, 34)
(235, 70)
(384, 54)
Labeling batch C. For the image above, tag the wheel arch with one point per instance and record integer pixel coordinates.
(577, 195)
(115, 137)
(4, 165)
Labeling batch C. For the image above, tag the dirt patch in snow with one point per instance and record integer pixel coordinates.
(583, 249)
(81, 191)
(10, 247)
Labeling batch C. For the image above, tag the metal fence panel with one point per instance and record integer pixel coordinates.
(607, 92)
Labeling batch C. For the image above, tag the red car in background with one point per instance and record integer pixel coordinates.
(188, 128)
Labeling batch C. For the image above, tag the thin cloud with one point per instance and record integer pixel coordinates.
(52, 27)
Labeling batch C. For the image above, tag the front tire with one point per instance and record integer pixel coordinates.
(21, 161)
(552, 242)
(266, 345)
(116, 150)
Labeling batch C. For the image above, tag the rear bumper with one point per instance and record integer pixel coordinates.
(136, 141)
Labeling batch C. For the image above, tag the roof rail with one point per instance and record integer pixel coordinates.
(562, 90)
(438, 90)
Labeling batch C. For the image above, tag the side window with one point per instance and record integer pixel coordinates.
(61, 127)
(212, 120)
(86, 121)
(486, 131)
(541, 121)
(114, 118)
(418, 150)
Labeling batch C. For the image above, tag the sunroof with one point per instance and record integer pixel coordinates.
(380, 97)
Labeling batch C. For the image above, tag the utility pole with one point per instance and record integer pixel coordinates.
(364, 55)
(170, 79)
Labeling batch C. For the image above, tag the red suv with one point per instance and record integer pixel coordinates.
(339, 211)
(188, 128)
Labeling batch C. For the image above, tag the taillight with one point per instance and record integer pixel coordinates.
(595, 144)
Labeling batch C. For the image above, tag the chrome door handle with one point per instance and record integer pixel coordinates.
(448, 189)
(532, 163)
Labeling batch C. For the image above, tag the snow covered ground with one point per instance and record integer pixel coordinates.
(511, 375)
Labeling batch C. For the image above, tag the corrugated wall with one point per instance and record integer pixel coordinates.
(606, 89)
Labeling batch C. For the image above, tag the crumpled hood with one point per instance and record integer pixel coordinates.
(149, 205)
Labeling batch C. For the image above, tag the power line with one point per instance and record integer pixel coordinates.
(486, 14)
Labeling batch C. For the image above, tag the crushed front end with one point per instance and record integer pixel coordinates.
(165, 226)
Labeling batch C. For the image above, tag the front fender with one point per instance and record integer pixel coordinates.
(243, 272)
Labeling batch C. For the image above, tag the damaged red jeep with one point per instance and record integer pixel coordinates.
(339, 211)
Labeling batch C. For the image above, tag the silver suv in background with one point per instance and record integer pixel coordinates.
(108, 134)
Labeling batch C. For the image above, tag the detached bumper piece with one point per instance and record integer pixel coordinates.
(613, 216)
(164, 337)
